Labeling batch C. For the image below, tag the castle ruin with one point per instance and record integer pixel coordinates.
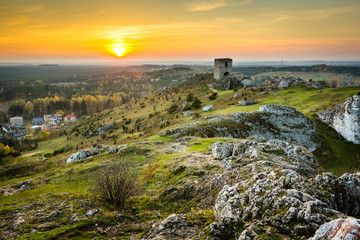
(222, 68)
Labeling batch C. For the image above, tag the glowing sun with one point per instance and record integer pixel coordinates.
(119, 49)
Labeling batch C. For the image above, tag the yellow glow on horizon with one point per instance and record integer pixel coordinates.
(119, 49)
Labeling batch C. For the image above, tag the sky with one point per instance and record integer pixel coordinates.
(146, 30)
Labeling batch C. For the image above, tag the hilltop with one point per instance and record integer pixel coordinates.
(218, 186)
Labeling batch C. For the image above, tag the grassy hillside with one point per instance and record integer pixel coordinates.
(163, 164)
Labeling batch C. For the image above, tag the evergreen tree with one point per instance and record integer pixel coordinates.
(197, 103)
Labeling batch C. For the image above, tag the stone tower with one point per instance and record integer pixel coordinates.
(222, 68)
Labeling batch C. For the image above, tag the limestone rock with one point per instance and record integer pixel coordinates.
(345, 119)
(270, 122)
(222, 150)
(80, 155)
(277, 188)
(207, 108)
(247, 82)
(247, 102)
(175, 227)
(237, 95)
(188, 112)
(339, 229)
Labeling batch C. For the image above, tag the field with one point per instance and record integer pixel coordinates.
(59, 185)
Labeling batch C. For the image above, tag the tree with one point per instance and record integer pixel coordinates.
(197, 103)
(6, 150)
(28, 129)
(45, 135)
(16, 109)
(190, 97)
(115, 183)
(83, 108)
(172, 108)
(213, 96)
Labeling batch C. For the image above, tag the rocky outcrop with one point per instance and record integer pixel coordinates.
(207, 108)
(278, 192)
(80, 155)
(95, 150)
(345, 119)
(339, 229)
(227, 84)
(175, 227)
(270, 122)
(316, 84)
(247, 102)
(247, 82)
(282, 83)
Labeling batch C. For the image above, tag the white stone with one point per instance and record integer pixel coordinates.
(345, 119)
(207, 107)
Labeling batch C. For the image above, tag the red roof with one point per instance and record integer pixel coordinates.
(68, 117)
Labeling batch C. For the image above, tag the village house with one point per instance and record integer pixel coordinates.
(55, 118)
(70, 118)
(49, 126)
(38, 121)
(16, 121)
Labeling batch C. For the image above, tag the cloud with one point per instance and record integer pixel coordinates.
(206, 6)
(18, 20)
(31, 9)
(209, 5)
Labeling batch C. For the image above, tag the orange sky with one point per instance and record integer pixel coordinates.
(78, 30)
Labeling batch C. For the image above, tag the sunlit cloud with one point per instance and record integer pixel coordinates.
(210, 5)
(18, 20)
(30, 9)
(207, 5)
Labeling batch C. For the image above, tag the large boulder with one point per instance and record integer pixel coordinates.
(175, 227)
(345, 119)
(278, 192)
(247, 82)
(247, 102)
(80, 155)
(339, 229)
(270, 122)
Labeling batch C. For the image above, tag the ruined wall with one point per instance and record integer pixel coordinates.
(222, 68)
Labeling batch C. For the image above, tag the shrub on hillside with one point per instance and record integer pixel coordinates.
(115, 183)
(213, 96)
(172, 108)
(197, 103)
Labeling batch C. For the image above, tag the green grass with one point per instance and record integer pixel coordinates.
(157, 166)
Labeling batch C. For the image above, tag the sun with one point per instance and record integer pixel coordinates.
(119, 49)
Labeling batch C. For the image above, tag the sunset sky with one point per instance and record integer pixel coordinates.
(119, 30)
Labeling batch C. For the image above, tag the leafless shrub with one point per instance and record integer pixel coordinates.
(116, 182)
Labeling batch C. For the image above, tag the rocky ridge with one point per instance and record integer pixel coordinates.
(345, 118)
(270, 122)
(270, 188)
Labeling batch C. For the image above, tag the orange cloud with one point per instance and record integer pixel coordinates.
(18, 20)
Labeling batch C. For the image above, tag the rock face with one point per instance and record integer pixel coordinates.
(339, 229)
(282, 83)
(247, 82)
(80, 155)
(207, 108)
(227, 84)
(247, 102)
(270, 122)
(278, 192)
(175, 227)
(345, 119)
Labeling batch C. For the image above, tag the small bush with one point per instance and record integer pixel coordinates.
(197, 103)
(213, 96)
(172, 108)
(115, 183)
